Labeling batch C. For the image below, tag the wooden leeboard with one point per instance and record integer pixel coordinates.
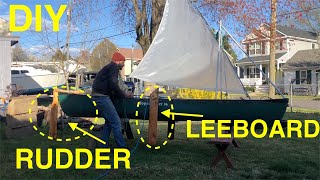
(153, 117)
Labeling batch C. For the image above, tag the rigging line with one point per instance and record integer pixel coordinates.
(240, 47)
(104, 37)
(95, 30)
(299, 11)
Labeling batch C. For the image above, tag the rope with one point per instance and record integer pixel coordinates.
(137, 142)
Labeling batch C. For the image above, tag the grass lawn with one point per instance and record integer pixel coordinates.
(182, 158)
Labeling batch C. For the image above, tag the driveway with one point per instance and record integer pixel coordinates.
(306, 104)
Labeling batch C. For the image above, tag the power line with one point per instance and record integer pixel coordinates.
(104, 37)
(95, 30)
(95, 10)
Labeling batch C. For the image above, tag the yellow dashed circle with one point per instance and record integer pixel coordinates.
(59, 139)
(137, 122)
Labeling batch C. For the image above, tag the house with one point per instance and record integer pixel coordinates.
(6, 41)
(133, 58)
(288, 42)
(303, 71)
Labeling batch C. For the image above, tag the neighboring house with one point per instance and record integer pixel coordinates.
(133, 58)
(303, 71)
(6, 41)
(288, 42)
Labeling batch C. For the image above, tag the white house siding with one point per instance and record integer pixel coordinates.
(290, 75)
(5, 66)
(297, 45)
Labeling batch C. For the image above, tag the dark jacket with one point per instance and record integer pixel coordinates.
(106, 82)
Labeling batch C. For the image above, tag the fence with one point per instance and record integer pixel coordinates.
(300, 89)
(304, 96)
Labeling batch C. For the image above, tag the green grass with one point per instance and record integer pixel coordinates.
(302, 110)
(183, 158)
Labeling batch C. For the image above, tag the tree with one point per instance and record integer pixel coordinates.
(20, 55)
(84, 57)
(241, 15)
(272, 63)
(59, 56)
(227, 46)
(308, 18)
(250, 14)
(146, 15)
(101, 55)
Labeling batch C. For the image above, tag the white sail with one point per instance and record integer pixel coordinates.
(185, 54)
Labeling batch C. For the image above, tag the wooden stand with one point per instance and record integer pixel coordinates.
(153, 117)
(222, 144)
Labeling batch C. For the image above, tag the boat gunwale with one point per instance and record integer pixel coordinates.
(286, 100)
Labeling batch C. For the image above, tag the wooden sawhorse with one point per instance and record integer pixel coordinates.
(222, 144)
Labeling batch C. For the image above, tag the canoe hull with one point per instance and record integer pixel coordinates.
(249, 110)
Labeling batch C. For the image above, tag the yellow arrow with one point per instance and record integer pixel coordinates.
(74, 126)
(168, 113)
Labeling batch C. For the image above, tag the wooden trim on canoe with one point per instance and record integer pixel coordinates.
(69, 92)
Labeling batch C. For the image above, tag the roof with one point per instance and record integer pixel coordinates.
(14, 39)
(289, 31)
(128, 53)
(293, 32)
(304, 58)
(259, 58)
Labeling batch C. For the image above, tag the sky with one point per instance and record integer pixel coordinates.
(84, 35)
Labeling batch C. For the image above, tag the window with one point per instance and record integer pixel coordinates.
(313, 46)
(279, 45)
(24, 71)
(251, 49)
(15, 72)
(303, 77)
(256, 48)
(254, 72)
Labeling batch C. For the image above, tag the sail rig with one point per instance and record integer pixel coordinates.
(185, 54)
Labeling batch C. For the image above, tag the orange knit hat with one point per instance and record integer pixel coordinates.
(118, 57)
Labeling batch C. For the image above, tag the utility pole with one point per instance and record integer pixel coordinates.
(272, 64)
(68, 42)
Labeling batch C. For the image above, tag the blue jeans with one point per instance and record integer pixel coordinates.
(112, 121)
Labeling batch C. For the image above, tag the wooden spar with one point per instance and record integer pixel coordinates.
(153, 117)
(54, 115)
(68, 91)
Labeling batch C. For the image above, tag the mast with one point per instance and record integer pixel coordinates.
(220, 32)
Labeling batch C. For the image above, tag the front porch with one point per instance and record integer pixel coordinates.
(252, 76)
